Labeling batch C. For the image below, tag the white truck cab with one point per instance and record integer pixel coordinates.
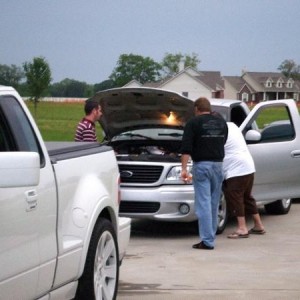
(60, 234)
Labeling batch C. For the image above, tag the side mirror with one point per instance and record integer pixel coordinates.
(19, 169)
(252, 136)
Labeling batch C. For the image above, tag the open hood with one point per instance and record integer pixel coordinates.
(127, 109)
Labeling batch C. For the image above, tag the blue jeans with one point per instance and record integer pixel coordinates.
(207, 181)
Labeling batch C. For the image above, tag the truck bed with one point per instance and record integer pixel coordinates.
(65, 150)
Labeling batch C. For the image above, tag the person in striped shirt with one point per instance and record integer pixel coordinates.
(86, 131)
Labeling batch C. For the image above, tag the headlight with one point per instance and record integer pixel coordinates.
(175, 173)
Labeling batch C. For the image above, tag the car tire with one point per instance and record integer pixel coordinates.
(101, 272)
(222, 215)
(279, 207)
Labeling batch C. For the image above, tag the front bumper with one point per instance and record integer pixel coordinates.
(158, 203)
(123, 235)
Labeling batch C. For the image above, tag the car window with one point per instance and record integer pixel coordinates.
(3, 140)
(16, 133)
(238, 115)
(223, 111)
(275, 125)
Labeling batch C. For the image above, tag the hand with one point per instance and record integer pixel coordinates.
(184, 176)
(187, 177)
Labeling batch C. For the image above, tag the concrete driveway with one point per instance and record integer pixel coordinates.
(161, 263)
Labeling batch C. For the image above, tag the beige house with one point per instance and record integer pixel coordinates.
(190, 83)
(261, 86)
(250, 87)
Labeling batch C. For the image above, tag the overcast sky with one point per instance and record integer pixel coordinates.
(83, 40)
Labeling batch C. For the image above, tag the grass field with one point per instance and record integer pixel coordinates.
(57, 121)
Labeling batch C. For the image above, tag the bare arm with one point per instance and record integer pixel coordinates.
(184, 161)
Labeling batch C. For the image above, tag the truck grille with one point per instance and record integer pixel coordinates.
(139, 207)
(139, 174)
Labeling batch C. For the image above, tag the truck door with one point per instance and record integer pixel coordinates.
(27, 212)
(275, 148)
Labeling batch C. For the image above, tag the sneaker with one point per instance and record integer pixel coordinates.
(202, 246)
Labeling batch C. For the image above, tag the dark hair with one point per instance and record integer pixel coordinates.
(90, 105)
(202, 104)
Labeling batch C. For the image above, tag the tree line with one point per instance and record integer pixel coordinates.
(33, 79)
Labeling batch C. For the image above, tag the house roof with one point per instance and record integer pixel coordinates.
(133, 82)
(262, 77)
(211, 79)
(238, 83)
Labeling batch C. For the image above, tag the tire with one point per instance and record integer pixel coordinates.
(222, 215)
(279, 207)
(101, 272)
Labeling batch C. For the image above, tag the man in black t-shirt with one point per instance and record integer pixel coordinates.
(203, 140)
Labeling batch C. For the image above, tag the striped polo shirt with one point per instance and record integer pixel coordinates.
(85, 131)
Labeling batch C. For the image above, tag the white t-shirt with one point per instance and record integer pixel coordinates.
(238, 160)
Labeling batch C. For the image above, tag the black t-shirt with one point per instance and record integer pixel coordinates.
(204, 138)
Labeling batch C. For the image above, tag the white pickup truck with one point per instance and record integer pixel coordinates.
(145, 127)
(60, 234)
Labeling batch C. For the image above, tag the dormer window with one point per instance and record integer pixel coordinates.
(279, 83)
(290, 83)
(269, 83)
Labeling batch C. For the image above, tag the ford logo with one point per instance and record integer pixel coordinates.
(126, 174)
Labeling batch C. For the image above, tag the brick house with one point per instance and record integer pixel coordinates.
(261, 86)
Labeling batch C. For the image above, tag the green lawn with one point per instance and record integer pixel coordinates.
(57, 121)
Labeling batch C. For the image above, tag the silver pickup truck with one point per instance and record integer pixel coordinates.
(60, 234)
(145, 127)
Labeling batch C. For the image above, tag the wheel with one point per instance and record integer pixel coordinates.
(222, 215)
(279, 207)
(101, 272)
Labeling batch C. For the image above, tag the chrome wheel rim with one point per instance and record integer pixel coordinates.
(286, 202)
(105, 267)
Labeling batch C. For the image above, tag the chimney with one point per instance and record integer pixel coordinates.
(181, 66)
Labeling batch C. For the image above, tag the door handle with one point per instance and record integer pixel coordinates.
(31, 200)
(295, 153)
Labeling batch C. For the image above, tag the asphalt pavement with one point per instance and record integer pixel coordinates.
(161, 264)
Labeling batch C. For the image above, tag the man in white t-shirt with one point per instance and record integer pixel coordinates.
(239, 169)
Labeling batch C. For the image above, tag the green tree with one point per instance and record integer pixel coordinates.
(38, 75)
(135, 67)
(289, 68)
(171, 62)
(104, 85)
(11, 75)
(71, 88)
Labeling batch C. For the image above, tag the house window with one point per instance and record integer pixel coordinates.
(269, 83)
(296, 96)
(245, 97)
(185, 94)
(279, 83)
(289, 83)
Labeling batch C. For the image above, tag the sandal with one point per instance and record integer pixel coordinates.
(256, 231)
(236, 235)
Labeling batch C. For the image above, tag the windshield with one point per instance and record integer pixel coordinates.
(223, 111)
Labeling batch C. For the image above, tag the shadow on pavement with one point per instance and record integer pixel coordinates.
(159, 229)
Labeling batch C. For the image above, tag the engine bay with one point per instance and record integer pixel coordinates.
(167, 151)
